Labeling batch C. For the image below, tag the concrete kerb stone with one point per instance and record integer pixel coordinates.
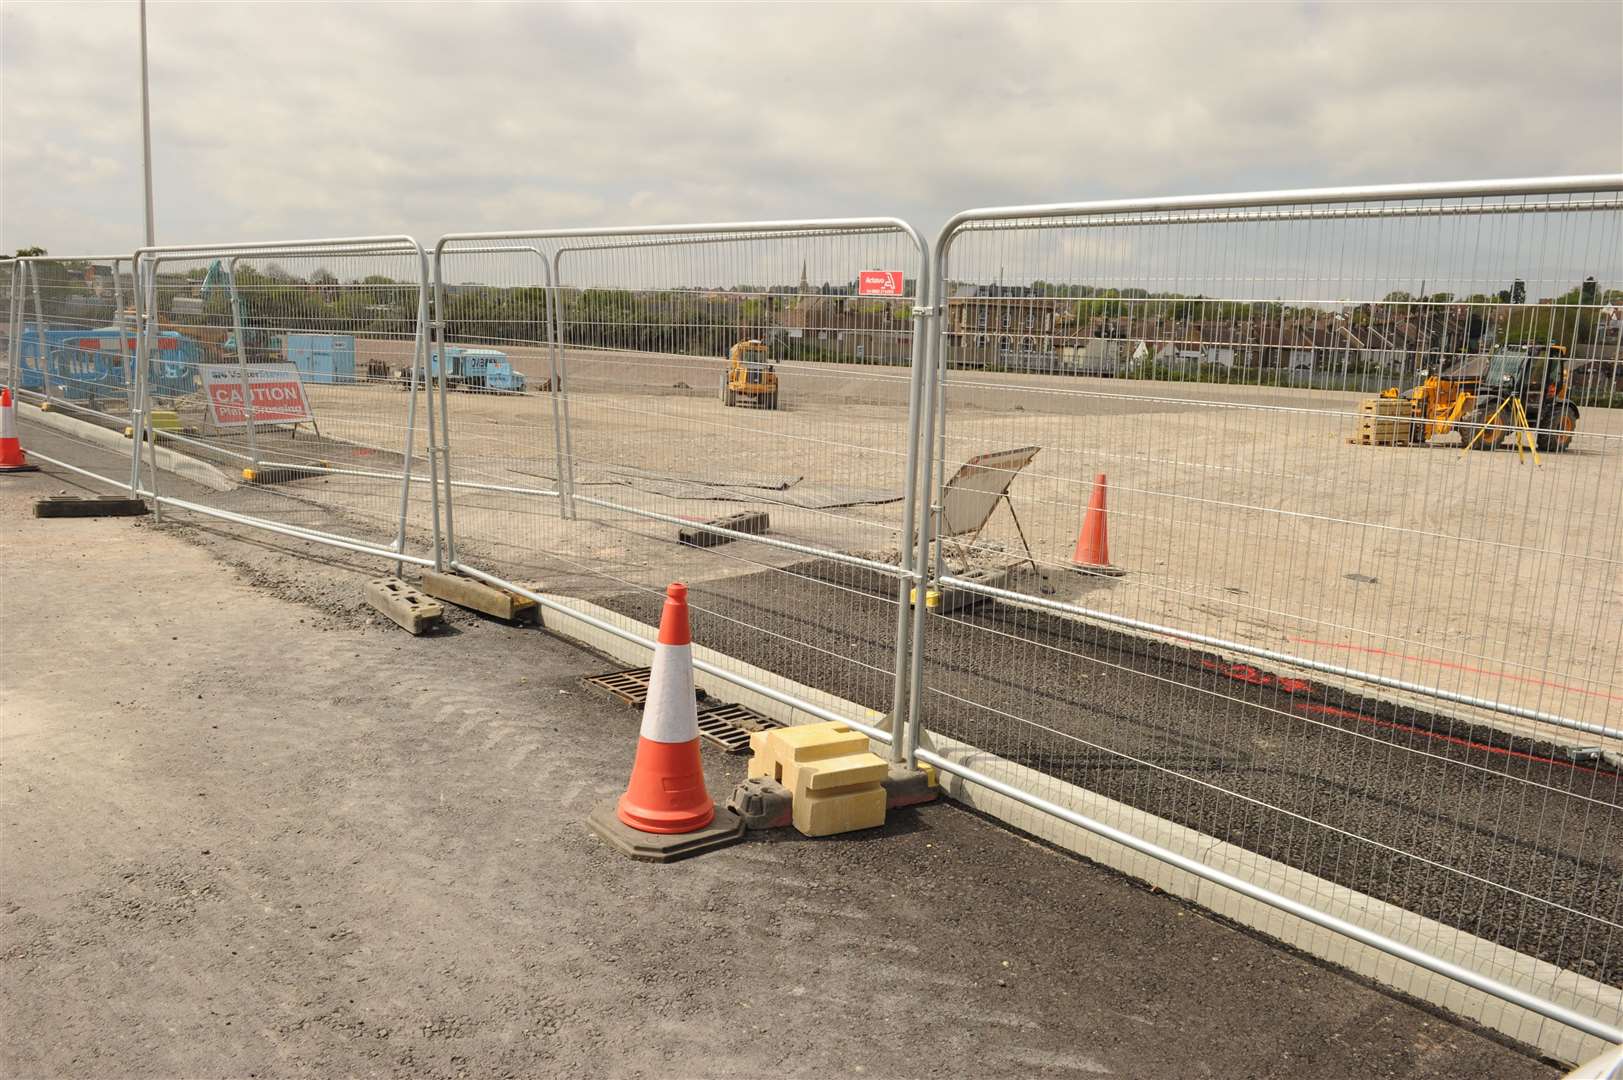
(477, 596)
(1506, 965)
(188, 468)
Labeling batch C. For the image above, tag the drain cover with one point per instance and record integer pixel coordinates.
(630, 685)
(729, 726)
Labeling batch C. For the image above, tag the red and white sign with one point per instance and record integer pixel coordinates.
(879, 283)
(277, 394)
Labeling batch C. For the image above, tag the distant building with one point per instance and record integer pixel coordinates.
(1005, 326)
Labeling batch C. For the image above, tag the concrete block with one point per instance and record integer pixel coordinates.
(756, 523)
(74, 506)
(727, 828)
(830, 813)
(762, 803)
(477, 596)
(404, 604)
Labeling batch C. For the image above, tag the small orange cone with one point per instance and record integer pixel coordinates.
(667, 792)
(12, 458)
(1092, 544)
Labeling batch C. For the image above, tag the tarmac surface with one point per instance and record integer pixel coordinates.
(1504, 837)
(248, 830)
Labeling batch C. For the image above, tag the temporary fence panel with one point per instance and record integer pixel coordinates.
(70, 342)
(722, 404)
(1328, 636)
(284, 387)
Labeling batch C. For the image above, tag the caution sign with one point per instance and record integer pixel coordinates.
(277, 395)
(879, 283)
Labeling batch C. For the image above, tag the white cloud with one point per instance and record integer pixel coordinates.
(297, 120)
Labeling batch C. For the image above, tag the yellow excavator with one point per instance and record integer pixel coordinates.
(749, 379)
(1471, 394)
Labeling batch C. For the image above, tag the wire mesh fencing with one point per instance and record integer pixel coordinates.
(722, 404)
(1220, 554)
(70, 342)
(283, 385)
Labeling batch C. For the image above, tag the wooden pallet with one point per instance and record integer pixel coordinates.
(1365, 438)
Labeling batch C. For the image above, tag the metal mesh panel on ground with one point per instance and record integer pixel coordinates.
(280, 385)
(1296, 546)
(737, 377)
(72, 341)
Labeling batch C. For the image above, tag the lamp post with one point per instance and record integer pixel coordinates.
(146, 128)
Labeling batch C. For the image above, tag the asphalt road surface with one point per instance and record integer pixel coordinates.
(1500, 836)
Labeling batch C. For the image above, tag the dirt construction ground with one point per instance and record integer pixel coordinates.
(248, 831)
(1242, 512)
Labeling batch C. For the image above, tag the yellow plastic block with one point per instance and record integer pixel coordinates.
(779, 753)
(810, 742)
(761, 759)
(817, 814)
(853, 770)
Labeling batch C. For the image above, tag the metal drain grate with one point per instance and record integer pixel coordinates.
(630, 685)
(729, 726)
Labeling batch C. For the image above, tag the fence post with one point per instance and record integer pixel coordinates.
(238, 334)
(562, 433)
(14, 328)
(39, 332)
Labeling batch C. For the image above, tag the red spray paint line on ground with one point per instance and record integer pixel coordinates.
(1331, 710)
(1457, 667)
(1247, 674)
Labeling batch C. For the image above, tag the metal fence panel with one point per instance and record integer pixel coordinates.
(283, 387)
(789, 471)
(70, 342)
(1342, 641)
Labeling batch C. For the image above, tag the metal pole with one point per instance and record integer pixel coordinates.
(430, 357)
(560, 363)
(43, 355)
(911, 587)
(566, 487)
(242, 360)
(418, 362)
(118, 325)
(146, 130)
(14, 329)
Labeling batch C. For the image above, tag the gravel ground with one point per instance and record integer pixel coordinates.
(247, 831)
(1456, 822)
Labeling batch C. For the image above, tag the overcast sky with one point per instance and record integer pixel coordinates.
(285, 120)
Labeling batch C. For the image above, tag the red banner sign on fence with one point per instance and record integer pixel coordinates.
(277, 394)
(879, 283)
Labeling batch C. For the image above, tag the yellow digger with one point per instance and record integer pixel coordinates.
(1472, 394)
(749, 379)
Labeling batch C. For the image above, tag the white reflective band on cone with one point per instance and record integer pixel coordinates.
(8, 422)
(671, 715)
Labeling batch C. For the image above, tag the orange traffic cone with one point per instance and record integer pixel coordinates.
(1093, 544)
(667, 792)
(12, 458)
(666, 812)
